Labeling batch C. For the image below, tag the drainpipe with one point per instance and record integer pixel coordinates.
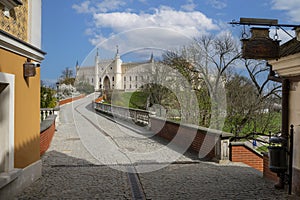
(284, 115)
(285, 108)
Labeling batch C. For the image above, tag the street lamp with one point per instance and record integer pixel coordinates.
(57, 90)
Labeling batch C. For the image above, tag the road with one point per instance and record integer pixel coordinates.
(91, 157)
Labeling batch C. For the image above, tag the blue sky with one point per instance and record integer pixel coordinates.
(72, 30)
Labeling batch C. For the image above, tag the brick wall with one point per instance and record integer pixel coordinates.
(46, 138)
(65, 101)
(267, 173)
(240, 152)
(187, 135)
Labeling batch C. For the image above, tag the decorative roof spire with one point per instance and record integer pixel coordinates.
(152, 57)
(117, 54)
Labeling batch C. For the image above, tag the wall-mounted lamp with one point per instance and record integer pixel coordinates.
(29, 69)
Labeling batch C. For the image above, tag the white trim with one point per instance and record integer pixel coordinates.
(10, 80)
(35, 22)
(17, 47)
(287, 66)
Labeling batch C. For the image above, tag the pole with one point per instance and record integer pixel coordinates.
(291, 159)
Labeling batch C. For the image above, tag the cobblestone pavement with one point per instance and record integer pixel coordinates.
(81, 165)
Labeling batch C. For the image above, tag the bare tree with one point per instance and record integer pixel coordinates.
(67, 77)
(212, 56)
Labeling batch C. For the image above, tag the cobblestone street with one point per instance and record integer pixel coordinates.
(80, 164)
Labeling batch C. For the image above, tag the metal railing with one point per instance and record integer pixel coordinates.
(136, 115)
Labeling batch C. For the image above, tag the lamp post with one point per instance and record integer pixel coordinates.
(57, 90)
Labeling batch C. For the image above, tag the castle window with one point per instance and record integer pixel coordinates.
(100, 80)
(136, 86)
(113, 78)
(130, 78)
(130, 86)
(124, 86)
(92, 80)
(124, 78)
(136, 78)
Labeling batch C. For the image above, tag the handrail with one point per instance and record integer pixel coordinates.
(136, 115)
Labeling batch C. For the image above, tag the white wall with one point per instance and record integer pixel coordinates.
(7, 122)
(294, 112)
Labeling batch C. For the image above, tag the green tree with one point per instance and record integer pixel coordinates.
(47, 97)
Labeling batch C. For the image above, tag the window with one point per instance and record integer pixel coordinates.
(8, 5)
(100, 80)
(113, 78)
(136, 78)
(124, 86)
(130, 78)
(130, 86)
(92, 80)
(124, 78)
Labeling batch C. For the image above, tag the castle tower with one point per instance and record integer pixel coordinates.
(96, 79)
(118, 71)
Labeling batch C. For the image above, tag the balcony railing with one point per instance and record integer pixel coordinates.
(45, 112)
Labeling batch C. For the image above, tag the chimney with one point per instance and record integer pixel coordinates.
(297, 33)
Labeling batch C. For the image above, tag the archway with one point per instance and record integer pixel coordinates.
(106, 83)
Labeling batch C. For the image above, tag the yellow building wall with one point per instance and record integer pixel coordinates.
(27, 109)
(17, 23)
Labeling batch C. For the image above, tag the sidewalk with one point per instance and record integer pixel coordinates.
(71, 172)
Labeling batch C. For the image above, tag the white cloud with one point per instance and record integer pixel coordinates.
(189, 23)
(158, 28)
(166, 28)
(84, 7)
(189, 6)
(291, 6)
(110, 5)
(104, 6)
(218, 4)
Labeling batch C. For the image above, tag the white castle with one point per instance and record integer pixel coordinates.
(114, 74)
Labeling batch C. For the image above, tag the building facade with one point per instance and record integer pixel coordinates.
(20, 58)
(114, 74)
(288, 69)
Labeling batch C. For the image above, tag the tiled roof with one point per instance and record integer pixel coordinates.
(289, 48)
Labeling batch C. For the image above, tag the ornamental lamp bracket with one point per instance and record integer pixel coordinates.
(29, 69)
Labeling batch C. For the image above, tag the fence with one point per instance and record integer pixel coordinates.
(135, 115)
